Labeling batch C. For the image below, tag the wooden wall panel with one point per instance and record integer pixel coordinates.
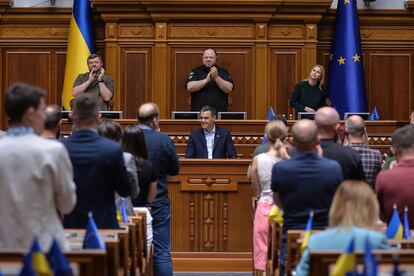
(238, 61)
(390, 77)
(60, 74)
(284, 74)
(136, 69)
(33, 66)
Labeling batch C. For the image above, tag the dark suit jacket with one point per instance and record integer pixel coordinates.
(349, 159)
(164, 159)
(223, 144)
(99, 171)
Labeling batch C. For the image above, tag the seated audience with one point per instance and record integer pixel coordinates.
(36, 183)
(210, 141)
(275, 132)
(327, 120)
(395, 186)
(112, 130)
(306, 182)
(52, 122)
(353, 214)
(357, 139)
(133, 141)
(98, 166)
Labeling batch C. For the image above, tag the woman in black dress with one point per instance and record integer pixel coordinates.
(133, 142)
(309, 94)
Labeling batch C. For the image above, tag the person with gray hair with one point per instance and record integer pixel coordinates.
(395, 186)
(298, 183)
(356, 135)
(327, 120)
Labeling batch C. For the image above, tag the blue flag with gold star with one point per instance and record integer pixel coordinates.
(346, 83)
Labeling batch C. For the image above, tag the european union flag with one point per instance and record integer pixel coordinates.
(370, 264)
(124, 212)
(374, 115)
(81, 43)
(407, 231)
(346, 83)
(92, 239)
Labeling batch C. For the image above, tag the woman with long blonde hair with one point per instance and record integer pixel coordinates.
(353, 214)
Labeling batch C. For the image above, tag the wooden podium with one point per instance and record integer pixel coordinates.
(211, 216)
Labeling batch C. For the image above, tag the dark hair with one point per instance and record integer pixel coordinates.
(20, 97)
(133, 142)
(403, 138)
(209, 108)
(85, 107)
(92, 56)
(110, 129)
(53, 117)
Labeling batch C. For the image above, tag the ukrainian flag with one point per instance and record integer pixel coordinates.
(35, 262)
(395, 228)
(308, 232)
(345, 265)
(80, 45)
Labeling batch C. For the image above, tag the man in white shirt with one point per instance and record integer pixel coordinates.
(36, 184)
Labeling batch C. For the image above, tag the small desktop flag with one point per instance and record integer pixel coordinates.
(80, 45)
(269, 116)
(370, 264)
(58, 262)
(396, 266)
(345, 265)
(92, 239)
(35, 262)
(395, 228)
(346, 82)
(407, 231)
(276, 214)
(124, 213)
(308, 232)
(374, 115)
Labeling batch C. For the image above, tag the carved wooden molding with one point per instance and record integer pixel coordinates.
(211, 31)
(286, 32)
(136, 31)
(31, 31)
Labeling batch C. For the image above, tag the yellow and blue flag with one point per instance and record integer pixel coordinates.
(407, 231)
(81, 44)
(124, 212)
(395, 228)
(92, 239)
(308, 232)
(35, 262)
(346, 83)
(345, 265)
(58, 262)
(276, 214)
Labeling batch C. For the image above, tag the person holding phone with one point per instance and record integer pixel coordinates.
(95, 81)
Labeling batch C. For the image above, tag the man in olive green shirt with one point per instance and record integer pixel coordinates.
(95, 82)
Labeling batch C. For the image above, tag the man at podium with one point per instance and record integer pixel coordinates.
(210, 141)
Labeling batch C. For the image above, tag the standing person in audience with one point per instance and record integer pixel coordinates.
(275, 132)
(133, 141)
(112, 130)
(353, 214)
(265, 147)
(98, 167)
(210, 141)
(327, 120)
(209, 84)
(309, 95)
(95, 82)
(164, 159)
(52, 123)
(304, 183)
(36, 183)
(395, 186)
(356, 135)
